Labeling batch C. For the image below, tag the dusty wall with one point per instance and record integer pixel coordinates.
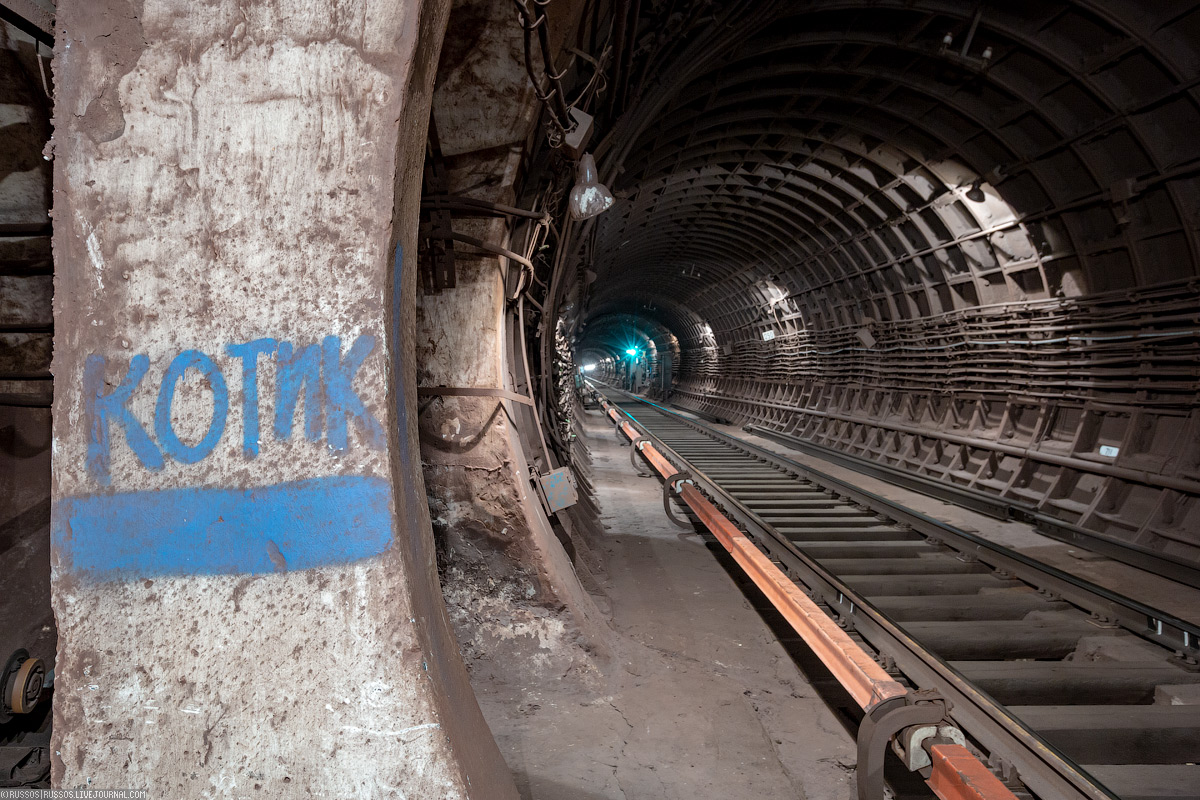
(241, 572)
(512, 590)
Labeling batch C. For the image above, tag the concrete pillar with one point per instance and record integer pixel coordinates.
(242, 571)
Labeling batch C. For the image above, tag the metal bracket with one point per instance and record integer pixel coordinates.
(672, 484)
(637, 445)
(557, 489)
(436, 228)
(882, 723)
(912, 743)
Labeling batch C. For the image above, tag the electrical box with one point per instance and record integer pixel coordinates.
(577, 138)
(558, 490)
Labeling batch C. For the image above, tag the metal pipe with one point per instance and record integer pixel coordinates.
(482, 245)
(436, 201)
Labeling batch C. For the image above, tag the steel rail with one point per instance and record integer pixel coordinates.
(995, 506)
(1137, 617)
(1042, 767)
(955, 773)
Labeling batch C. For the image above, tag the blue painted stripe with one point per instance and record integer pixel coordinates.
(202, 531)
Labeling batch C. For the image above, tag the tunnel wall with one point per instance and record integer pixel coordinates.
(243, 575)
(513, 592)
(951, 399)
(951, 239)
(26, 289)
(509, 571)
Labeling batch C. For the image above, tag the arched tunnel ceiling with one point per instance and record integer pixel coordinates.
(843, 164)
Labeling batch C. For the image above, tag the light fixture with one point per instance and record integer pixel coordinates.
(589, 197)
(631, 352)
(588, 367)
(975, 193)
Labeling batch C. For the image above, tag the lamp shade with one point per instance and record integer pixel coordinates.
(589, 197)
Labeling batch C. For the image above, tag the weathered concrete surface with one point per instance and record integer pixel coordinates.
(224, 189)
(702, 701)
(512, 590)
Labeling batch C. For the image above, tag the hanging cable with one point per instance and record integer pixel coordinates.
(554, 99)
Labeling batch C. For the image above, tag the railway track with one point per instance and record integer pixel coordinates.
(1068, 689)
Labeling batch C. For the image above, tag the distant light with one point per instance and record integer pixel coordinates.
(768, 335)
(589, 197)
(588, 367)
(631, 352)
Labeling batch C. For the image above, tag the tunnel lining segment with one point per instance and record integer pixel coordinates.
(996, 247)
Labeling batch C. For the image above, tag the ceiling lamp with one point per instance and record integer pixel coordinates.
(589, 197)
(975, 193)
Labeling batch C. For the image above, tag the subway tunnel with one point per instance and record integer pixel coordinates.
(600, 398)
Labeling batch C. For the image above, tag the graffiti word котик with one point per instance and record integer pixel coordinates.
(320, 372)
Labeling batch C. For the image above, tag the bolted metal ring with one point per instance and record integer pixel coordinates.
(27, 686)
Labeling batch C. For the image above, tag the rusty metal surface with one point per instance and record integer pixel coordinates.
(958, 775)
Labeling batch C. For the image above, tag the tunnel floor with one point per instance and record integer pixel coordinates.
(700, 700)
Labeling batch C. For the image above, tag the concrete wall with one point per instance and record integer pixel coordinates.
(512, 590)
(242, 575)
